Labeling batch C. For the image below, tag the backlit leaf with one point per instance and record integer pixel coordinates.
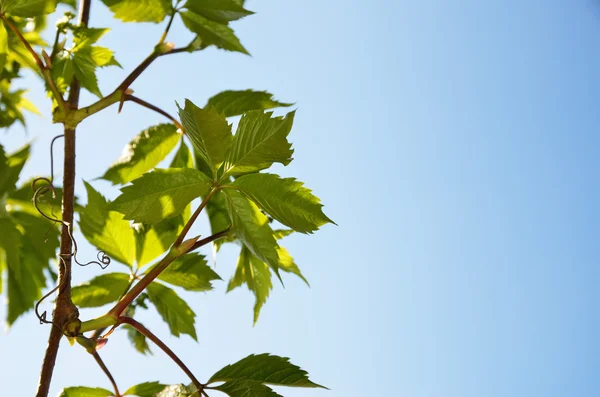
(212, 33)
(27, 8)
(246, 388)
(143, 153)
(222, 11)
(234, 103)
(139, 10)
(190, 272)
(82, 391)
(260, 141)
(147, 389)
(100, 290)
(161, 194)
(174, 311)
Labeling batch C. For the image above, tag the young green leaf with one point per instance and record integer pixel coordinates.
(235, 103)
(147, 389)
(179, 391)
(161, 194)
(287, 264)
(265, 368)
(138, 340)
(139, 10)
(190, 272)
(27, 8)
(209, 132)
(285, 199)
(245, 388)
(174, 311)
(222, 11)
(260, 141)
(256, 275)
(82, 391)
(252, 227)
(212, 33)
(107, 229)
(218, 217)
(100, 290)
(143, 153)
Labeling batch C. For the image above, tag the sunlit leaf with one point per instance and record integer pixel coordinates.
(147, 389)
(212, 33)
(82, 391)
(246, 388)
(190, 272)
(234, 103)
(139, 10)
(174, 311)
(27, 8)
(222, 11)
(161, 194)
(260, 141)
(100, 290)
(143, 153)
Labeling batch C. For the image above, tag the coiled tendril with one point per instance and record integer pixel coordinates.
(39, 191)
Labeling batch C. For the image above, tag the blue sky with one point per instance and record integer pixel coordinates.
(453, 143)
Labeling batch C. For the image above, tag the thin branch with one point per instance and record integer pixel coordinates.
(64, 309)
(191, 221)
(148, 334)
(97, 333)
(145, 104)
(210, 239)
(107, 372)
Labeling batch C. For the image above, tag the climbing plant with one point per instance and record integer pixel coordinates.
(147, 226)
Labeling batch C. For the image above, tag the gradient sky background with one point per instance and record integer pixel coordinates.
(456, 145)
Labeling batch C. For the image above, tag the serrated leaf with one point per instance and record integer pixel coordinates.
(82, 391)
(161, 194)
(147, 389)
(183, 158)
(212, 33)
(256, 275)
(100, 290)
(27, 8)
(103, 57)
(84, 69)
(252, 227)
(285, 199)
(287, 264)
(174, 311)
(260, 141)
(222, 11)
(235, 103)
(138, 340)
(190, 272)
(139, 10)
(143, 153)
(209, 132)
(246, 388)
(107, 229)
(265, 368)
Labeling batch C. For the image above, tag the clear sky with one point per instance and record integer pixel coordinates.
(455, 144)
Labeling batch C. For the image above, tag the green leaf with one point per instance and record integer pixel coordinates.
(82, 391)
(107, 229)
(246, 388)
(22, 198)
(143, 153)
(183, 158)
(174, 311)
(153, 241)
(234, 103)
(265, 368)
(27, 8)
(3, 45)
(252, 227)
(139, 10)
(256, 275)
(147, 389)
(287, 264)
(190, 272)
(11, 168)
(285, 199)
(161, 194)
(179, 391)
(138, 340)
(222, 11)
(84, 68)
(209, 132)
(260, 141)
(100, 290)
(218, 217)
(212, 33)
